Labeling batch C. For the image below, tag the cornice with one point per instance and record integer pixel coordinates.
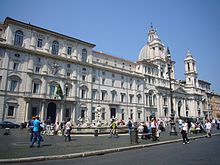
(60, 58)
(9, 20)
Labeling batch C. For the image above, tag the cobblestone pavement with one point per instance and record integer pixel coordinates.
(16, 145)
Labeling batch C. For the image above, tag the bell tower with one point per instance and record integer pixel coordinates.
(191, 74)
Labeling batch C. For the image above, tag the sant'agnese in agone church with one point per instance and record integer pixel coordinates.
(56, 76)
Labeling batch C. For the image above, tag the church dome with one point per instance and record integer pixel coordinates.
(144, 53)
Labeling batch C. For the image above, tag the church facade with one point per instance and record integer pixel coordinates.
(55, 76)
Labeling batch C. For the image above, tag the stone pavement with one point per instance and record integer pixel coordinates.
(15, 147)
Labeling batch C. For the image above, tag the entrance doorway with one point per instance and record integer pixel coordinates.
(51, 112)
(113, 113)
(179, 108)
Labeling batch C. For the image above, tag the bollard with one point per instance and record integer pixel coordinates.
(96, 132)
(134, 136)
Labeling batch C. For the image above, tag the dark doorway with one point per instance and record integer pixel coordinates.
(51, 112)
(34, 111)
(113, 113)
(179, 108)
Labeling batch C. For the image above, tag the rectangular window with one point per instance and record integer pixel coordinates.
(69, 50)
(122, 84)
(122, 97)
(36, 88)
(37, 69)
(67, 114)
(93, 113)
(131, 98)
(131, 85)
(113, 97)
(52, 90)
(83, 113)
(67, 91)
(15, 66)
(13, 86)
(103, 95)
(139, 100)
(11, 111)
(93, 79)
(139, 115)
(39, 43)
(113, 82)
(68, 74)
(83, 77)
(103, 115)
(93, 94)
(103, 81)
(131, 114)
(122, 114)
(83, 93)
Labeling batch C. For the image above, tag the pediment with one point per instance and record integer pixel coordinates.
(180, 90)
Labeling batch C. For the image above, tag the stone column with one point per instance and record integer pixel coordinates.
(47, 45)
(72, 110)
(61, 111)
(27, 111)
(33, 40)
(44, 86)
(45, 69)
(63, 71)
(64, 50)
(175, 108)
(42, 113)
(30, 64)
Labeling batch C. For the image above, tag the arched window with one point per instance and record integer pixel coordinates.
(36, 86)
(138, 98)
(83, 92)
(14, 82)
(55, 47)
(18, 41)
(84, 55)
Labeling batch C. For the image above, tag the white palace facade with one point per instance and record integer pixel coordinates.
(35, 61)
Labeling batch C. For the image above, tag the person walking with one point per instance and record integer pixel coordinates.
(154, 127)
(208, 127)
(113, 129)
(129, 124)
(218, 124)
(184, 132)
(36, 131)
(31, 127)
(68, 128)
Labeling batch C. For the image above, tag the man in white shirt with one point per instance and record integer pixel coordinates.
(184, 132)
(68, 128)
(208, 127)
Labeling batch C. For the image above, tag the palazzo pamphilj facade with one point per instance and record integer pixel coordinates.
(36, 63)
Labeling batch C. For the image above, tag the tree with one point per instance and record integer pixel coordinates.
(59, 91)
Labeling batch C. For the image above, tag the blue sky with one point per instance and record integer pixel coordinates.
(119, 27)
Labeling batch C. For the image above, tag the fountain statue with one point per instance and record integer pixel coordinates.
(98, 116)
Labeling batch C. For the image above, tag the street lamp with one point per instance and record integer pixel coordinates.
(172, 123)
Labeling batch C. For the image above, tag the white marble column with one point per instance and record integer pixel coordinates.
(73, 115)
(33, 40)
(42, 113)
(45, 69)
(27, 111)
(61, 111)
(30, 64)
